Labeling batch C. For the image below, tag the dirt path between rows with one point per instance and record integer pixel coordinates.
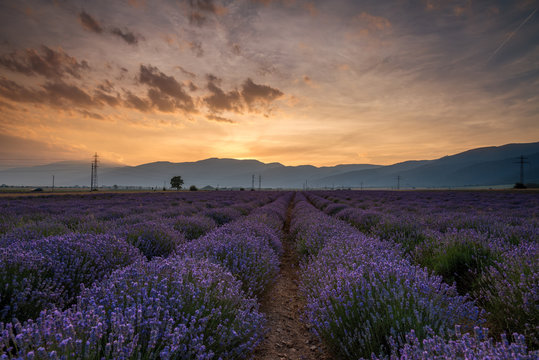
(288, 336)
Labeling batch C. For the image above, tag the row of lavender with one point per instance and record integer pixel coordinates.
(197, 303)
(487, 243)
(484, 242)
(29, 218)
(55, 244)
(365, 298)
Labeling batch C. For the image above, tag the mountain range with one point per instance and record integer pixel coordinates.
(486, 166)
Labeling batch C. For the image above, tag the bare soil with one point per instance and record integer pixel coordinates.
(288, 336)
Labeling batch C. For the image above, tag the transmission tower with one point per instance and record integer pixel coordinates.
(93, 182)
(253, 182)
(522, 160)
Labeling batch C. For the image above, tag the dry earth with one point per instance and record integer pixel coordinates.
(288, 336)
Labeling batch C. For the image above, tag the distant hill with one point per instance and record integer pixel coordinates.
(486, 166)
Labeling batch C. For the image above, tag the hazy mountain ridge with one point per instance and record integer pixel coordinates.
(477, 167)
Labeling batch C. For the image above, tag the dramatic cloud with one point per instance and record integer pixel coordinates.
(52, 93)
(58, 91)
(220, 100)
(253, 93)
(166, 93)
(107, 99)
(236, 101)
(133, 101)
(52, 64)
(185, 72)
(219, 119)
(200, 9)
(89, 23)
(127, 36)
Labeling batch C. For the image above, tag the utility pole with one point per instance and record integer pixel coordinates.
(398, 182)
(53, 183)
(93, 182)
(253, 182)
(259, 182)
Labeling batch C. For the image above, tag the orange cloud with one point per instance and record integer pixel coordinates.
(365, 25)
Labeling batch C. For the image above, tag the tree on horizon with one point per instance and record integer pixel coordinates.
(176, 182)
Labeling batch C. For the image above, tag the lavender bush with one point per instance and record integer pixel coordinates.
(223, 215)
(361, 294)
(463, 346)
(246, 255)
(166, 309)
(509, 291)
(459, 256)
(193, 227)
(153, 238)
(49, 272)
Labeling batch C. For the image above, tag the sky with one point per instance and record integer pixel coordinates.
(289, 81)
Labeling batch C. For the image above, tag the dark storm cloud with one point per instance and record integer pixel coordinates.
(235, 100)
(89, 23)
(220, 100)
(56, 93)
(11, 90)
(200, 9)
(105, 98)
(135, 102)
(253, 93)
(59, 91)
(165, 92)
(219, 119)
(185, 72)
(53, 64)
(92, 115)
(127, 36)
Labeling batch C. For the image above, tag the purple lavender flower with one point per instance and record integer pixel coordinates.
(168, 308)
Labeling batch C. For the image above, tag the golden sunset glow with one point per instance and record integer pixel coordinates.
(296, 82)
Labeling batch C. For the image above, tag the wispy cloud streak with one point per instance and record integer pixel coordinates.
(511, 34)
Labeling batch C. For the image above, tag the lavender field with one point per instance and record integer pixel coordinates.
(187, 275)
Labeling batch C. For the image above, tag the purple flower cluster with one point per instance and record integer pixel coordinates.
(152, 238)
(362, 294)
(223, 215)
(463, 346)
(194, 226)
(249, 248)
(49, 272)
(175, 308)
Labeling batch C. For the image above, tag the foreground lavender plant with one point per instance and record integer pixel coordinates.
(509, 291)
(193, 227)
(242, 250)
(463, 346)
(362, 294)
(153, 238)
(40, 274)
(172, 308)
